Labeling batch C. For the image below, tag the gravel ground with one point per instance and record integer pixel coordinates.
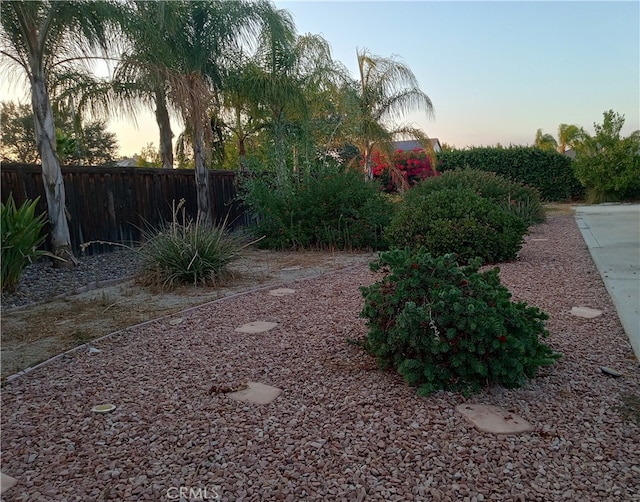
(40, 281)
(341, 430)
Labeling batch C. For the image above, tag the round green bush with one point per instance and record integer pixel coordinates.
(451, 327)
(456, 221)
(518, 199)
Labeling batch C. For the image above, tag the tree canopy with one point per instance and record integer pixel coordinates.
(90, 144)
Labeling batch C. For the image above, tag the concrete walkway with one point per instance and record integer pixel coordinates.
(612, 233)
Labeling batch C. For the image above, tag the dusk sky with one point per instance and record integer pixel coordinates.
(495, 71)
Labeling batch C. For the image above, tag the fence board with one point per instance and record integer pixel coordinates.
(116, 204)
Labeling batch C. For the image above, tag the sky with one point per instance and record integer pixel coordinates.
(495, 71)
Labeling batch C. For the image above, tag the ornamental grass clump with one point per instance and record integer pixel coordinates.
(448, 327)
(21, 231)
(187, 252)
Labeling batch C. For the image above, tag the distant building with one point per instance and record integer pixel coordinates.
(413, 144)
(127, 162)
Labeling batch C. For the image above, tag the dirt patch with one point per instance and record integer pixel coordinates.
(559, 208)
(36, 333)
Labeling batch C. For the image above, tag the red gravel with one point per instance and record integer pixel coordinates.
(341, 430)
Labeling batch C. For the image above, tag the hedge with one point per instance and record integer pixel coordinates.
(550, 172)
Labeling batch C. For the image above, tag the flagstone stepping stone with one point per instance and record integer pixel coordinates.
(281, 292)
(493, 419)
(256, 327)
(104, 408)
(257, 393)
(228, 388)
(6, 482)
(585, 312)
(610, 371)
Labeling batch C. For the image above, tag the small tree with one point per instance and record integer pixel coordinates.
(18, 135)
(149, 156)
(97, 145)
(89, 144)
(606, 164)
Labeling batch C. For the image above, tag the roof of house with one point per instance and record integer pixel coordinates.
(413, 144)
(127, 162)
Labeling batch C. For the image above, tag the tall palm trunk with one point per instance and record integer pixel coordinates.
(242, 153)
(296, 166)
(279, 132)
(202, 173)
(242, 150)
(368, 168)
(164, 125)
(51, 173)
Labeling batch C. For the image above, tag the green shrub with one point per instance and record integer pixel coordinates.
(608, 164)
(21, 233)
(456, 221)
(445, 326)
(550, 172)
(521, 200)
(330, 208)
(186, 252)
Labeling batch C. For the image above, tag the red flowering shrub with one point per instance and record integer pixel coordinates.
(379, 163)
(404, 171)
(415, 165)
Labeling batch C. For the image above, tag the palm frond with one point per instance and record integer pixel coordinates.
(403, 102)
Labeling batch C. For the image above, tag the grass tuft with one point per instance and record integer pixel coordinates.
(184, 252)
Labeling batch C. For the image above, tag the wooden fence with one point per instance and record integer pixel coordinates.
(116, 204)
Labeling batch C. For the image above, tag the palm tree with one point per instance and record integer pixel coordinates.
(321, 119)
(545, 141)
(387, 90)
(567, 136)
(42, 37)
(242, 114)
(279, 89)
(191, 60)
(288, 65)
(140, 76)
